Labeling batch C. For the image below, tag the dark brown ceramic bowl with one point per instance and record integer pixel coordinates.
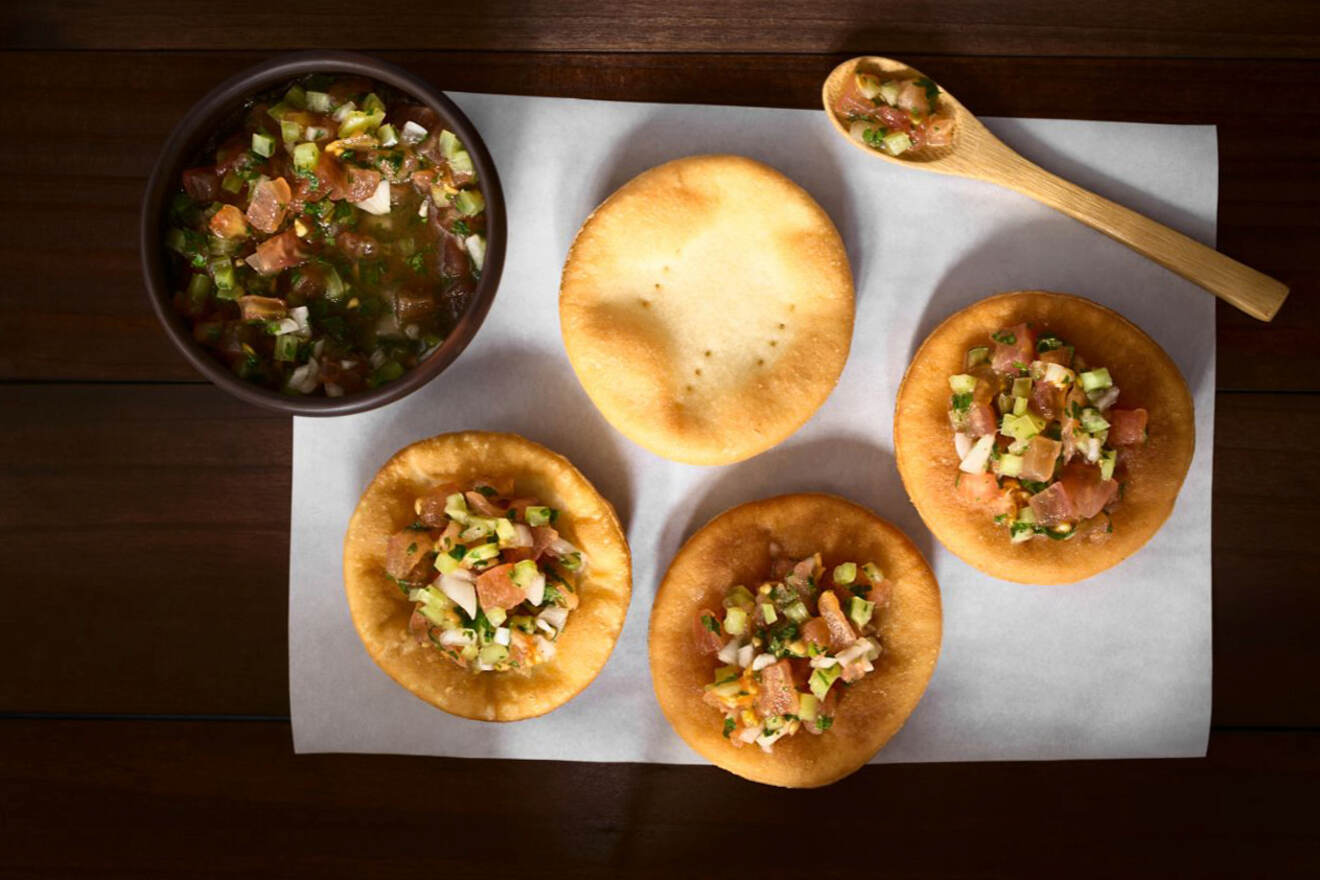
(218, 110)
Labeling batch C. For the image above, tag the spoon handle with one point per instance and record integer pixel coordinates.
(1255, 293)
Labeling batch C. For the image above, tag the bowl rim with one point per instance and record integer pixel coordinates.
(198, 123)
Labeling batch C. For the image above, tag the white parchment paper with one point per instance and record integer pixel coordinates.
(1116, 666)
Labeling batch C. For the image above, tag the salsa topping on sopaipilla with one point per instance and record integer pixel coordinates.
(894, 116)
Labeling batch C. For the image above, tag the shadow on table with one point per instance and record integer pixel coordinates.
(1052, 255)
(802, 152)
(524, 392)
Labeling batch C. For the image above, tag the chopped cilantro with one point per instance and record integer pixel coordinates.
(460, 227)
(710, 623)
(417, 262)
(932, 91)
(875, 137)
(824, 722)
(412, 548)
(1033, 487)
(1004, 338)
(961, 402)
(458, 551)
(488, 491)
(728, 727)
(861, 591)
(1048, 342)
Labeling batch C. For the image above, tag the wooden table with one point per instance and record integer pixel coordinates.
(145, 514)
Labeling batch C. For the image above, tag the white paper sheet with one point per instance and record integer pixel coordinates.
(1116, 666)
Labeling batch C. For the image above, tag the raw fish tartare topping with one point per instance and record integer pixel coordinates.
(788, 648)
(492, 578)
(894, 116)
(1039, 435)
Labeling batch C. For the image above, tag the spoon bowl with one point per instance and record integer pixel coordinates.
(976, 153)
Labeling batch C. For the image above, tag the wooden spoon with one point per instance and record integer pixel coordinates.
(977, 153)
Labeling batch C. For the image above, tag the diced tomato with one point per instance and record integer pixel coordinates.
(981, 420)
(496, 589)
(777, 695)
(406, 556)
(708, 640)
(362, 182)
(262, 308)
(419, 627)
(481, 504)
(430, 507)
(1088, 493)
(228, 222)
(1015, 348)
(1053, 506)
(841, 632)
(939, 130)
(978, 489)
(1047, 398)
(912, 97)
(453, 256)
(270, 202)
(816, 632)
(1063, 356)
(1127, 427)
(1038, 461)
(357, 245)
(201, 184)
(413, 306)
(422, 181)
(852, 102)
(278, 253)
(542, 538)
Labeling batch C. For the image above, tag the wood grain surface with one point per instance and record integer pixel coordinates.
(144, 515)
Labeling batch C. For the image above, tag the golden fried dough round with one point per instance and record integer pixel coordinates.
(1151, 474)
(380, 611)
(707, 308)
(734, 548)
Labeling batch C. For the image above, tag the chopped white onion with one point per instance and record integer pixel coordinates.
(412, 331)
(379, 201)
(299, 315)
(502, 635)
(546, 628)
(555, 616)
(536, 590)
(762, 661)
(421, 212)
(745, 655)
(377, 358)
(975, 461)
(1105, 399)
(476, 248)
(523, 538)
(857, 649)
(963, 444)
(729, 653)
(749, 734)
(412, 133)
(545, 648)
(824, 661)
(416, 595)
(304, 378)
(458, 638)
(459, 585)
(286, 325)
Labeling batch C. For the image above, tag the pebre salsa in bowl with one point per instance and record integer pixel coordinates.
(323, 234)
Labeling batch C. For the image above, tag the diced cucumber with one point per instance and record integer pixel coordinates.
(768, 613)
(845, 573)
(739, 597)
(1022, 426)
(199, 287)
(222, 272)
(461, 163)
(524, 572)
(537, 516)
(1020, 405)
(505, 532)
(456, 508)
(873, 573)
(1108, 458)
(231, 183)
(296, 97)
(897, 143)
(449, 143)
(388, 135)
(860, 611)
(1022, 387)
(306, 155)
(962, 383)
(469, 202)
(263, 145)
(319, 102)
(1093, 422)
(493, 654)
(889, 92)
(446, 564)
(523, 623)
(808, 707)
(286, 347)
(821, 679)
(1093, 380)
(978, 355)
(497, 616)
(735, 621)
(1010, 465)
(291, 132)
(373, 104)
(334, 285)
(797, 612)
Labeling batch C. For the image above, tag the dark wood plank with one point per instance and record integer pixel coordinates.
(1264, 29)
(73, 181)
(148, 527)
(168, 799)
